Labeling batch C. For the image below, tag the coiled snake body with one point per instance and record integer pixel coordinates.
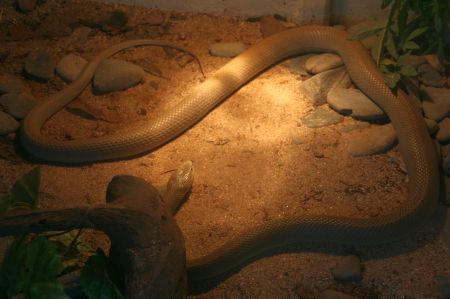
(414, 142)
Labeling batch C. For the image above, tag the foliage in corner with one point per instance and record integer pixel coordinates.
(32, 263)
(413, 27)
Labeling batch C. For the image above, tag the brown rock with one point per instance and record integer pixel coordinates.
(433, 60)
(269, 25)
(26, 5)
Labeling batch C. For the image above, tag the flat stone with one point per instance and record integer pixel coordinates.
(429, 76)
(354, 103)
(433, 60)
(431, 126)
(114, 75)
(17, 105)
(26, 5)
(415, 60)
(297, 65)
(40, 65)
(443, 134)
(268, 25)
(317, 87)
(227, 49)
(11, 84)
(333, 294)
(443, 285)
(438, 105)
(323, 62)
(374, 140)
(354, 125)
(321, 117)
(8, 124)
(348, 270)
(70, 67)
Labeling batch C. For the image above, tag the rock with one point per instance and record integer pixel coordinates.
(443, 134)
(269, 25)
(70, 67)
(40, 65)
(415, 60)
(297, 65)
(433, 60)
(317, 87)
(374, 140)
(26, 5)
(443, 285)
(333, 294)
(348, 270)
(17, 105)
(229, 49)
(354, 103)
(7, 123)
(429, 76)
(355, 125)
(431, 126)
(321, 117)
(11, 84)
(323, 62)
(296, 138)
(437, 106)
(114, 75)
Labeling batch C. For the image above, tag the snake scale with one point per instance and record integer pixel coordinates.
(415, 145)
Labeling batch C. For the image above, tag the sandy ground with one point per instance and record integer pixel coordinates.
(247, 168)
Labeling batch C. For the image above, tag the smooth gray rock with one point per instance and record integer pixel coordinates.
(317, 87)
(18, 105)
(374, 140)
(321, 117)
(443, 285)
(323, 62)
(227, 49)
(348, 270)
(355, 125)
(114, 75)
(70, 67)
(438, 106)
(429, 76)
(40, 65)
(443, 134)
(297, 65)
(11, 84)
(354, 103)
(333, 294)
(8, 124)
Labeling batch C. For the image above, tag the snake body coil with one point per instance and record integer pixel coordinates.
(415, 144)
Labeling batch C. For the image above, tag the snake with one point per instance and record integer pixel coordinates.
(414, 142)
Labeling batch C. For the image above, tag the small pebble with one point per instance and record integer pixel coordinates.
(11, 84)
(7, 123)
(70, 67)
(230, 49)
(40, 65)
(348, 270)
(17, 105)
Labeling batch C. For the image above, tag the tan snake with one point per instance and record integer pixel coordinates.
(415, 144)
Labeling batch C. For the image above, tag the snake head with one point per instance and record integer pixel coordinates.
(182, 179)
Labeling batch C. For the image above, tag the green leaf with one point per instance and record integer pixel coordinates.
(385, 3)
(26, 263)
(408, 70)
(376, 50)
(24, 192)
(47, 290)
(409, 45)
(392, 79)
(390, 46)
(96, 278)
(367, 29)
(416, 33)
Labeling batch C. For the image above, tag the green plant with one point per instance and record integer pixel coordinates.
(412, 27)
(33, 262)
